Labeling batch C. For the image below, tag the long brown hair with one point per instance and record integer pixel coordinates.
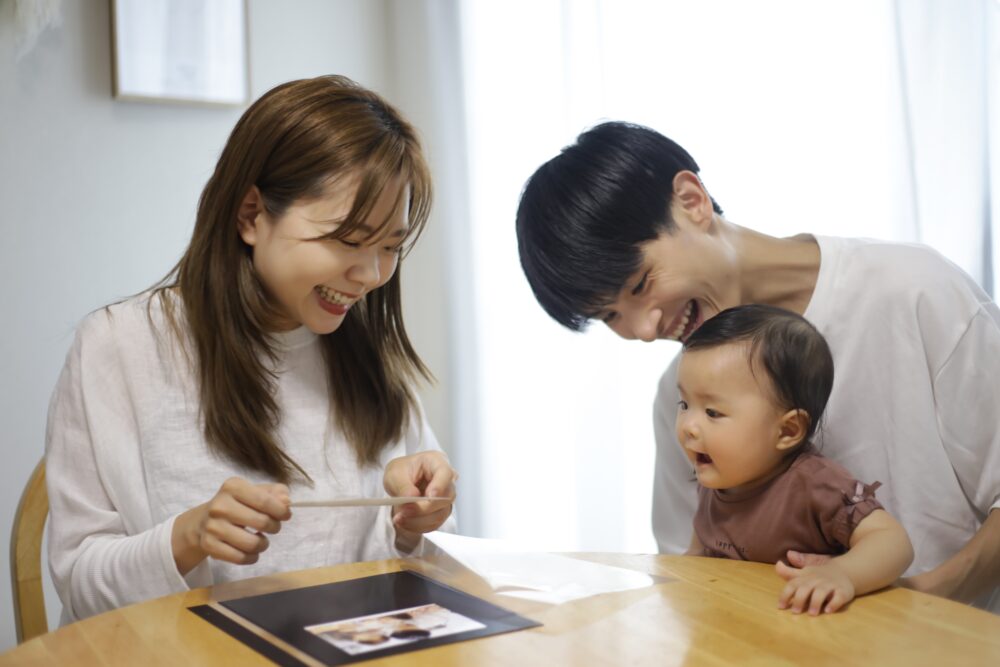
(290, 144)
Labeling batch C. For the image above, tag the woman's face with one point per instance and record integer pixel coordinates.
(686, 277)
(316, 283)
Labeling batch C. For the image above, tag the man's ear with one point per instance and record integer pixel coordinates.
(792, 429)
(692, 198)
(247, 215)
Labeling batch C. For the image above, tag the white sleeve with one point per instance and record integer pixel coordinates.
(419, 438)
(675, 488)
(967, 399)
(427, 441)
(100, 558)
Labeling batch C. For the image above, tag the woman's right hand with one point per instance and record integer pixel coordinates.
(231, 526)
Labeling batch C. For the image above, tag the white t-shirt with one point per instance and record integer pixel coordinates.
(915, 402)
(125, 454)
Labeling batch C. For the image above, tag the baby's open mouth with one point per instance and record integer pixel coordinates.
(703, 458)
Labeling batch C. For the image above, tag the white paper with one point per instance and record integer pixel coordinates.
(542, 577)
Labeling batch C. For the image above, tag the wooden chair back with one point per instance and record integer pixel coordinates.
(26, 558)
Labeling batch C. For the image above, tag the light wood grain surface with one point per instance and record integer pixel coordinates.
(703, 612)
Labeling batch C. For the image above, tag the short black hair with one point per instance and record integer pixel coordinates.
(584, 214)
(792, 352)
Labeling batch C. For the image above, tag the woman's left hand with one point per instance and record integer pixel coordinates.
(422, 474)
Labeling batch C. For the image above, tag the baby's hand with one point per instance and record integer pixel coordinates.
(820, 588)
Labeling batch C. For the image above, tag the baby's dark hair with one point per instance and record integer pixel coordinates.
(791, 351)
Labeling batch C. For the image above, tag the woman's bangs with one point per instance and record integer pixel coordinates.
(419, 180)
(389, 164)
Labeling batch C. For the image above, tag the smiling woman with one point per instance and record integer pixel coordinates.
(271, 363)
(316, 273)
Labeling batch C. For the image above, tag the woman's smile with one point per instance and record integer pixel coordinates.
(334, 302)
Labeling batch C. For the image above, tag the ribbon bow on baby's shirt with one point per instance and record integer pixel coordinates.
(863, 493)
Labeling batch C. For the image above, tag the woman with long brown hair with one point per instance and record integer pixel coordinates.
(270, 364)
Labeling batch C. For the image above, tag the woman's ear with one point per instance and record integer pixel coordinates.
(792, 429)
(691, 197)
(248, 213)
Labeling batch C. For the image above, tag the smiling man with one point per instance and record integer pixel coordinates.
(619, 228)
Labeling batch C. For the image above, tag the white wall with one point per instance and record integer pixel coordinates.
(97, 197)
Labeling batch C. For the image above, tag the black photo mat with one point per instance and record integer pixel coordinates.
(286, 614)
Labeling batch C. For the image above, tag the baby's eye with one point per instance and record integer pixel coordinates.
(682, 405)
(712, 413)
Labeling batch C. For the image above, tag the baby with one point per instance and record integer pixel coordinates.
(754, 381)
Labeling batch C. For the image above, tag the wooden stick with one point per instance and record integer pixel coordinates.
(361, 502)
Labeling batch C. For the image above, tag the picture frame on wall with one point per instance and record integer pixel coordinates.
(183, 51)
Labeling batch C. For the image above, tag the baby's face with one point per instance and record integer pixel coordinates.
(727, 421)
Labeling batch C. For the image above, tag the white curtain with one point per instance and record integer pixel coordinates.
(855, 118)
(949, 67)
(863, 117)
(993, 129)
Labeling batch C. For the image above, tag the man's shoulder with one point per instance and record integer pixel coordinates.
(896, 262)
(894, 281)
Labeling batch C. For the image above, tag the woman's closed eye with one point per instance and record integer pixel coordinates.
(393, 249)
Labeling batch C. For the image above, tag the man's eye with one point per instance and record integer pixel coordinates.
(712, 413)
(641, 286)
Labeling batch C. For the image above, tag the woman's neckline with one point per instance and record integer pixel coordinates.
(294, 338)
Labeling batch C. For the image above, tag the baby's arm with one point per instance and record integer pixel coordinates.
(880, 551)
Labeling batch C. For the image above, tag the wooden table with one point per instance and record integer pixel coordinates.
(707, 612)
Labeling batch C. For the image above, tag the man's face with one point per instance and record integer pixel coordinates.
(686, 276)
